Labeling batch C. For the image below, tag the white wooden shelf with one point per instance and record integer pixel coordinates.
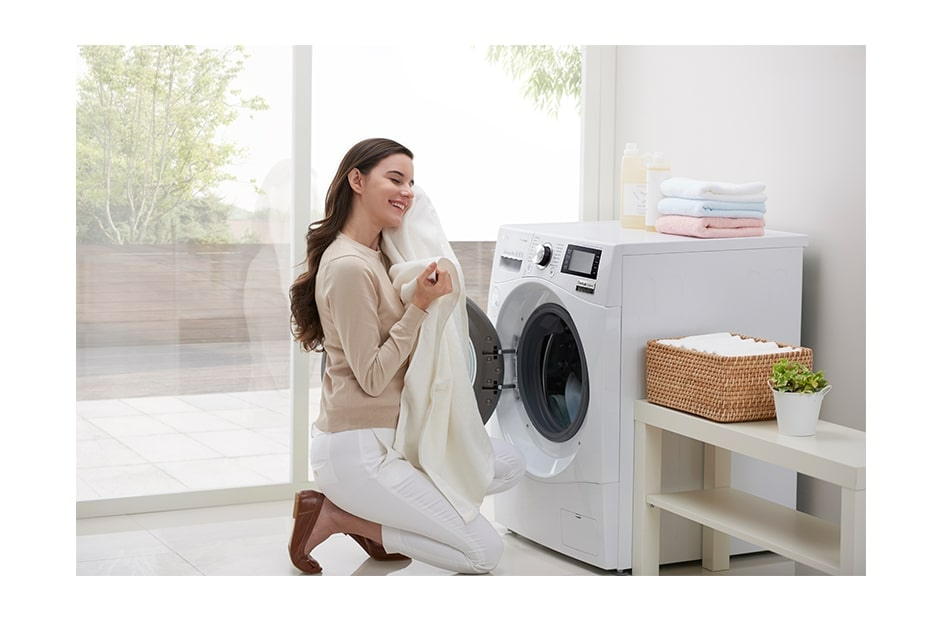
(835, 454)
(807, 539)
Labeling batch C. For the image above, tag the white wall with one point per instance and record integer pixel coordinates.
(793, 117)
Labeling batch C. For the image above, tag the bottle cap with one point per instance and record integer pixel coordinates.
(659, 160)
(631, 149)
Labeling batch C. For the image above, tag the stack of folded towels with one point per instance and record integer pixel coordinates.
(694, 208)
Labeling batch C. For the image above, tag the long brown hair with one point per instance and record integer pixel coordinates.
(364, 155)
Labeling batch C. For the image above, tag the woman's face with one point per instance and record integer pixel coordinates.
(387, 191)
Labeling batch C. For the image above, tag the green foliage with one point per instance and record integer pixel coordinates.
(204, 220)
(548, 73)
(148, 157)
(793, 376)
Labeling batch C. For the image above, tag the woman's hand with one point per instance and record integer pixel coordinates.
(432, 283)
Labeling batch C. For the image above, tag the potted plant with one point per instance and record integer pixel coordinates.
(798, 395)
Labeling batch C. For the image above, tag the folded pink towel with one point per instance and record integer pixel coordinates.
(710, 227)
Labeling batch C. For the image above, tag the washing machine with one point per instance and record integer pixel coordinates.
(559, 359)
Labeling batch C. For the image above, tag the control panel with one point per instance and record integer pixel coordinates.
(528, 254)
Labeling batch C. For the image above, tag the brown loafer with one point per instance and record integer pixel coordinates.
(307, 506)
(375, 550)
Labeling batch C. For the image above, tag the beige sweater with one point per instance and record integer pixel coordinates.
(368, 336)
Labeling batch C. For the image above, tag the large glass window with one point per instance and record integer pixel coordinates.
(183, 198)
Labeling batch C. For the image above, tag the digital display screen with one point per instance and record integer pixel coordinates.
(581, 261)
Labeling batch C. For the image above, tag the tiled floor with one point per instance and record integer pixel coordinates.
(167, 444)
(251, 539)
(140, 446)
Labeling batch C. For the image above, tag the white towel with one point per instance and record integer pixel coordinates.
(725, 344)
(440, 429)
(684, 187)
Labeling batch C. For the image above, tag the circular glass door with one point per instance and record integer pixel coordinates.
(552, 373)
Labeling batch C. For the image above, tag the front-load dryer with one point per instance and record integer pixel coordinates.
(559, 361)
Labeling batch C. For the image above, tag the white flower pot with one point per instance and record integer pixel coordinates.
(797, 413)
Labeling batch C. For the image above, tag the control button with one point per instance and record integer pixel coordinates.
(542, 255)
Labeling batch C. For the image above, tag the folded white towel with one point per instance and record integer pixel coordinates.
(684, 187)
(725, 344)
(440, 429)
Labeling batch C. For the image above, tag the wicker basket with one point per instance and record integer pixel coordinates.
(717, 387)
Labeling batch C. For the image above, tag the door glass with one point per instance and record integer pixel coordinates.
(552, 372)
(182, 198)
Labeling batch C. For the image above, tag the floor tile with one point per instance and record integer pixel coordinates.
(239, 443)
(187, 428)
(194, 421)
(213, 474)
(104, 408)
(253, 417)
(275, 400)
(280, 434)
(130, 481)
(83, 491)
(274, 467)
(159, 564)
(213, 402)
(160, 404)
(85, 430)
(119, 544)
(132, 425)
(165, 448)
(104, 453)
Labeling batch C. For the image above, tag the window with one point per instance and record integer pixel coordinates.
(183, 345)
(483, 153)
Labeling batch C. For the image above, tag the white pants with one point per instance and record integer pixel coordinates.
(361, 472)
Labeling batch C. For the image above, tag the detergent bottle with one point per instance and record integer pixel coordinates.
(632, 188)
(657, 171)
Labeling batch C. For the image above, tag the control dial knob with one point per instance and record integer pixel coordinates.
(542, 255)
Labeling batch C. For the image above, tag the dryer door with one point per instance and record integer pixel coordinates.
(552, 373)
(545, 414)
(485, 361)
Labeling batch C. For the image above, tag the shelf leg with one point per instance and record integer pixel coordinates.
(716, 546)
(647, 463)
(852, 533)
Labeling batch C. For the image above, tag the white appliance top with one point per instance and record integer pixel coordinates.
(586, 258)
(634, 241)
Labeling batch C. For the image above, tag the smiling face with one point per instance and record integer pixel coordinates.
(386, 192)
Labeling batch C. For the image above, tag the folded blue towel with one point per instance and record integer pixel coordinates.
(709, 208)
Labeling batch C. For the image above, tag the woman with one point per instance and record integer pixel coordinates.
(345, 304)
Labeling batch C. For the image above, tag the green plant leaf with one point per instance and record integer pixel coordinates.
(794, 376)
